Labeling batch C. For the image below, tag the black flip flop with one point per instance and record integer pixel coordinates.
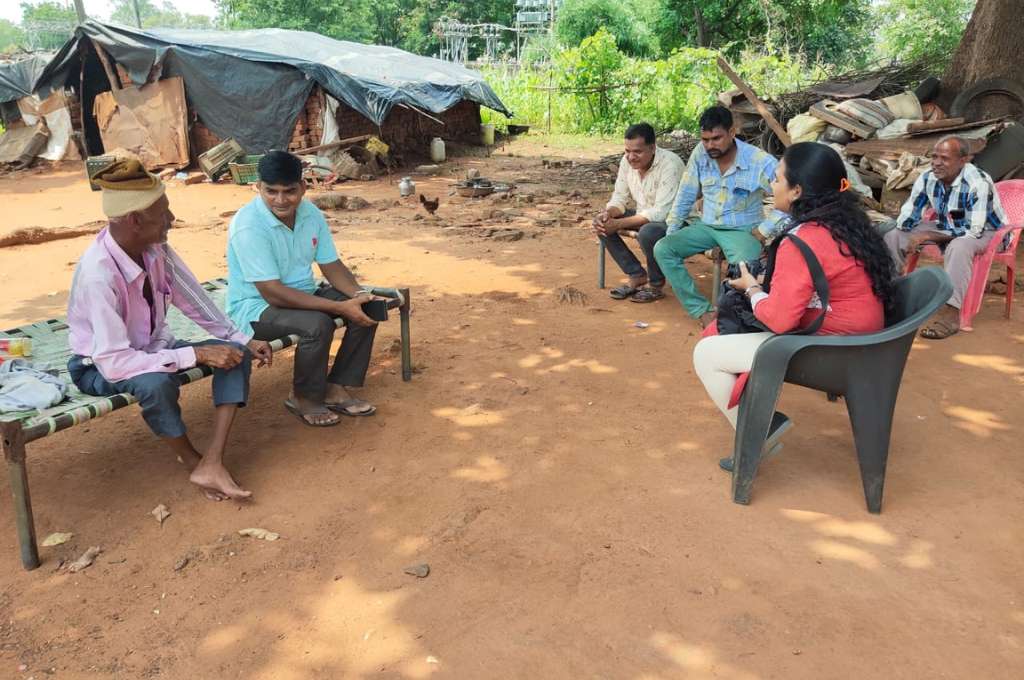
(622, 292)
(294, 409)
(344, 408)
(647, 294)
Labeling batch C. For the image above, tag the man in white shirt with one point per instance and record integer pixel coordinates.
(648, 176)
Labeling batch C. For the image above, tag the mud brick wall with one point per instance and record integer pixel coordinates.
(409, 133)
(309, 128)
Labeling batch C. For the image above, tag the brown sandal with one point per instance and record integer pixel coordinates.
(940, 330)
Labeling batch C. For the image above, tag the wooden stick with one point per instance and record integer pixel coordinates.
(332, 145)
(935, 124)
(115, 84)
(779, 131)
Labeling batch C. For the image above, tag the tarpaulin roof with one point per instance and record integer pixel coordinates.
(251, 85)
(18, 78)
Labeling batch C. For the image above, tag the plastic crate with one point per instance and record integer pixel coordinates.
(215, 161)
(247, 171)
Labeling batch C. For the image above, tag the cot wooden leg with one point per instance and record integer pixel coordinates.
(13, 440)
(403, 312)
(600, 264)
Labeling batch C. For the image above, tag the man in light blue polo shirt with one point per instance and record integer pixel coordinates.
(273, 242)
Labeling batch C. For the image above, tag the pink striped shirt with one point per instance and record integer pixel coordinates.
(111, 322)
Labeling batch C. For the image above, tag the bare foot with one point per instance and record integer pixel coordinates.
(706, 319)
(216, 483)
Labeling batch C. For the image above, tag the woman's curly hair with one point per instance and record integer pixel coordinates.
(820, 172)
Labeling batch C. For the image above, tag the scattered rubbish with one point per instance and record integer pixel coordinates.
(181, 175)
(86, 560)
(472, 174)
(428, 169)
(228, 213)
(418, 570)
(261, 534)
(56, 538)
(570, 295)
(432, 659)
(641, 324)
(195, 178)
(161, 513)
(182, 563)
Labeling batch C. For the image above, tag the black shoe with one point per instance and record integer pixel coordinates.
(780, 423)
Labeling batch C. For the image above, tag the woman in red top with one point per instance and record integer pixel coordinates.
(811, 185)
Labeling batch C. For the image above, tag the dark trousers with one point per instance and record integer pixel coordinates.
(316, 332)
(647, 237)
(157, 393)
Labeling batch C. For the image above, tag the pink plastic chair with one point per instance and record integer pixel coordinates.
(1011, 195)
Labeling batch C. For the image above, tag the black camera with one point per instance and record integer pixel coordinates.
(755, 267)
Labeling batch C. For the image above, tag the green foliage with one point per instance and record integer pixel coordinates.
(152, 16)
(48, 24)
(836, 31)
(579, 19)
(922, 29)
(405, 23)
(341, 19)
(11, 37)
(597, 89)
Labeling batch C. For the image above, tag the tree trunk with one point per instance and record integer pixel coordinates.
(990, 48)
(698, 18)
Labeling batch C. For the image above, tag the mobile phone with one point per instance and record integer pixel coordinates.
(376, 309)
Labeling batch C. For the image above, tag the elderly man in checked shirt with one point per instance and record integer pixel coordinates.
(733, 177)
(120, 341)
(967, 215)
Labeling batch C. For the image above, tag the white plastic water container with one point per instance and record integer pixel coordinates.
(487, 134)
(437, 150)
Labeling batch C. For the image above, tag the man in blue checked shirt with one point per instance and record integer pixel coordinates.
(733, 177)
(967, 215)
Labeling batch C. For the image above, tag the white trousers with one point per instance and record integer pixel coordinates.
(719, 360)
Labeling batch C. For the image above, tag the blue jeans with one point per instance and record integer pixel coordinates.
(157, 393)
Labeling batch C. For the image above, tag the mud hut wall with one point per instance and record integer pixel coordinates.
(406, 131)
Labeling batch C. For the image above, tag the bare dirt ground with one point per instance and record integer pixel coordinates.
(553, 464)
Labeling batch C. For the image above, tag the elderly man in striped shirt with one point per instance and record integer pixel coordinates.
(120, 341)
(967, 215)
(733, 178)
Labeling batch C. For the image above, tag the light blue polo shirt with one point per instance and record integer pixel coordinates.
(262, 248)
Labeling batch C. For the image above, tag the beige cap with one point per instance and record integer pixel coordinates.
(128, 188)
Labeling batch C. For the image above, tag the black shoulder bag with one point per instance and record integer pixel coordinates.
(735, 314)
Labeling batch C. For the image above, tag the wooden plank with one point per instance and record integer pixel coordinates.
(332, 145)
(894, 148)
(779, 131)
(962, 125)
(935, 124)
(840, 120)
(115, 83)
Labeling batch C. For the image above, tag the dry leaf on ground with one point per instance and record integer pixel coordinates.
(85, 560)
(260, 533)
(56, 538)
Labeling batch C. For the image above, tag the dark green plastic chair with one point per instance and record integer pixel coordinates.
(865, 369)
